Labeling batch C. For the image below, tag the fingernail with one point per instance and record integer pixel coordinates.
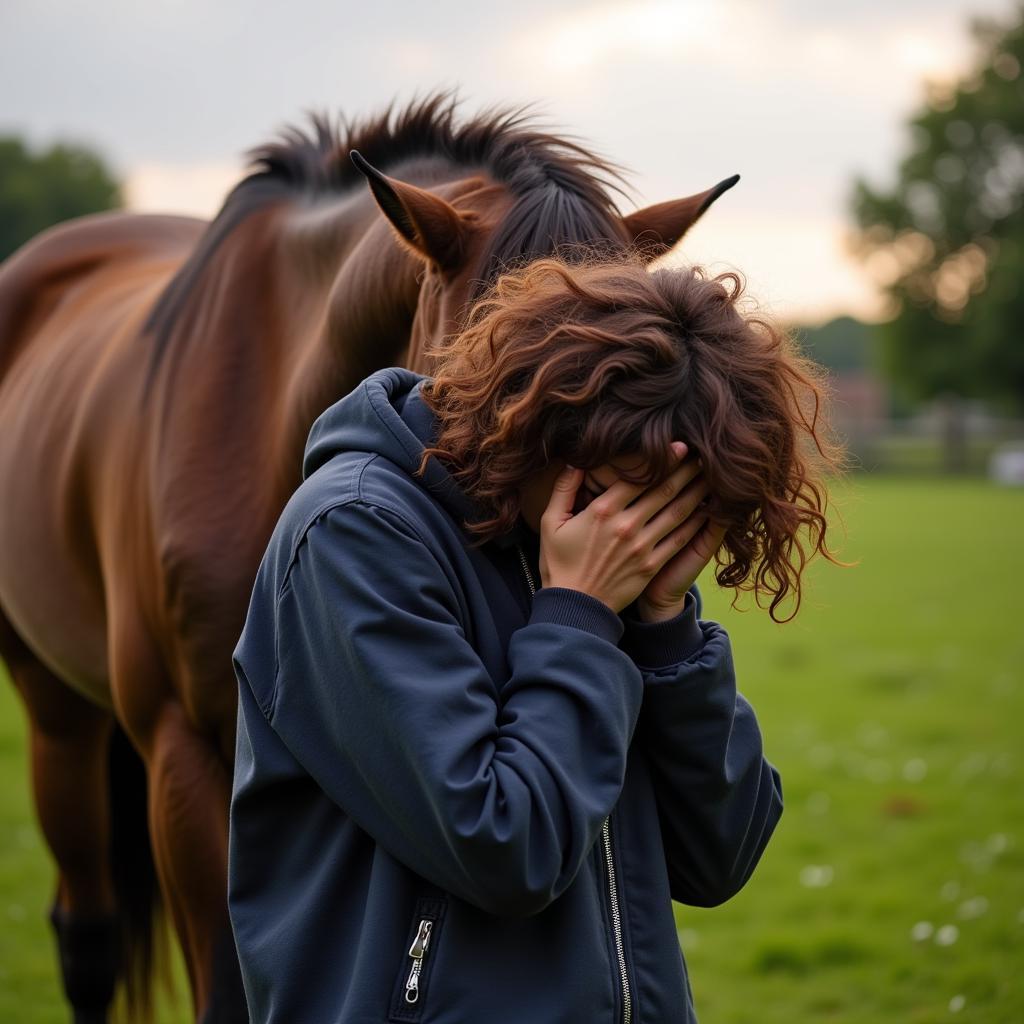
(679, 448)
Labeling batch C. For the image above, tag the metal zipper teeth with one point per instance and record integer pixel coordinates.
(613, 894)
(627, 1004)
(526, 571)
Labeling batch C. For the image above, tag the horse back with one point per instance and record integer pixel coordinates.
(37, 278)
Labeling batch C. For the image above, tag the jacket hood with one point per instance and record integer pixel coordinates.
(386, 414)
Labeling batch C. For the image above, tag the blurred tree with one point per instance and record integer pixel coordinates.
(947, 241)
(843, 344)
(40, 189)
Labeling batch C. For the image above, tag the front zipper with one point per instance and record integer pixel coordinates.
(613, 894)
(606, 838)
(418, 950)
(526, 570)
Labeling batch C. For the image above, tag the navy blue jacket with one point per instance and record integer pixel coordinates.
(456, 801)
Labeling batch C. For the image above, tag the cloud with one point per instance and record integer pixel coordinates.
(193, 189)
(797, 270)
(798, 96)
(586, 39)
(750, 40)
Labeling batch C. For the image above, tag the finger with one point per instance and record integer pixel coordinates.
(674, 542)
(563, 494)
(706, 544)
(683, 560)
(649, 504)
(678, 512)
(623, 492)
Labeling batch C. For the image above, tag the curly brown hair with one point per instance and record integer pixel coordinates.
(587, 362)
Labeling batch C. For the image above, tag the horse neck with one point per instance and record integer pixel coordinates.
(365, 291)
(295, 308)
(369, 309)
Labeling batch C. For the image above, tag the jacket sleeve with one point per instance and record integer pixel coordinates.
(718, 798)
(497, 798)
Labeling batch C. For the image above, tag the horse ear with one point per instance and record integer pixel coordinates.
(655, 229)
(426, 223)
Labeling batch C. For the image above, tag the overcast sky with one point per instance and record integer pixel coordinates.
(797, 96)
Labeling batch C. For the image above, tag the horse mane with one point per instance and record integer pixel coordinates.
(563, 191)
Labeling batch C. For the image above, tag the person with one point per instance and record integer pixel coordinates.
(485, 737)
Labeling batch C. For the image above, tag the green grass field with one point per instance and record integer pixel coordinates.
(893, 889)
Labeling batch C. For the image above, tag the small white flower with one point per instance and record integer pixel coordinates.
(956, 1004)
(816, 876)
(997, 843)
(972, 908)
(922, 931)
(915, 769)
(872, 734)
(976, 856)
(971, 766)
(947, 935)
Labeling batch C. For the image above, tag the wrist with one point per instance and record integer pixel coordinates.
(668, 642)
(648, 612)
(570, 607)
(593, 592)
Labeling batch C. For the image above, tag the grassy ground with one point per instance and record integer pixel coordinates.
(893, 889)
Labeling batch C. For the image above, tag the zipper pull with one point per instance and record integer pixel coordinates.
(417, 951)
(419, 944)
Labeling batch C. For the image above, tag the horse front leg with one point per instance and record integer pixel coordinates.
(189, 798)
(69, 741)
(190, 791)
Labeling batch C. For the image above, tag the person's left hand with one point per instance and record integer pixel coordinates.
(665, 594)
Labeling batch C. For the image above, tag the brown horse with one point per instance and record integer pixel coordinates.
(158, 377)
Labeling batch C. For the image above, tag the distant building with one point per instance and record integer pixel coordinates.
(860, 397)
(860, 402)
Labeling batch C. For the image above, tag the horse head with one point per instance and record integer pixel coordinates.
(464, 232)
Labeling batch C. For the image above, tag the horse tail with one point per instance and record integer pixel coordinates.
(136, 888)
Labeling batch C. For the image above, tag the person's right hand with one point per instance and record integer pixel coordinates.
(614, 546)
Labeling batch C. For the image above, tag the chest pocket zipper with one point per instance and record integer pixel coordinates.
(410, 989)
(418, 950)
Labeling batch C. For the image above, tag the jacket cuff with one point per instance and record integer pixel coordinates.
(569, 607)
(659, 644)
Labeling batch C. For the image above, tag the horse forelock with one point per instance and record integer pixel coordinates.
(547, 222)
